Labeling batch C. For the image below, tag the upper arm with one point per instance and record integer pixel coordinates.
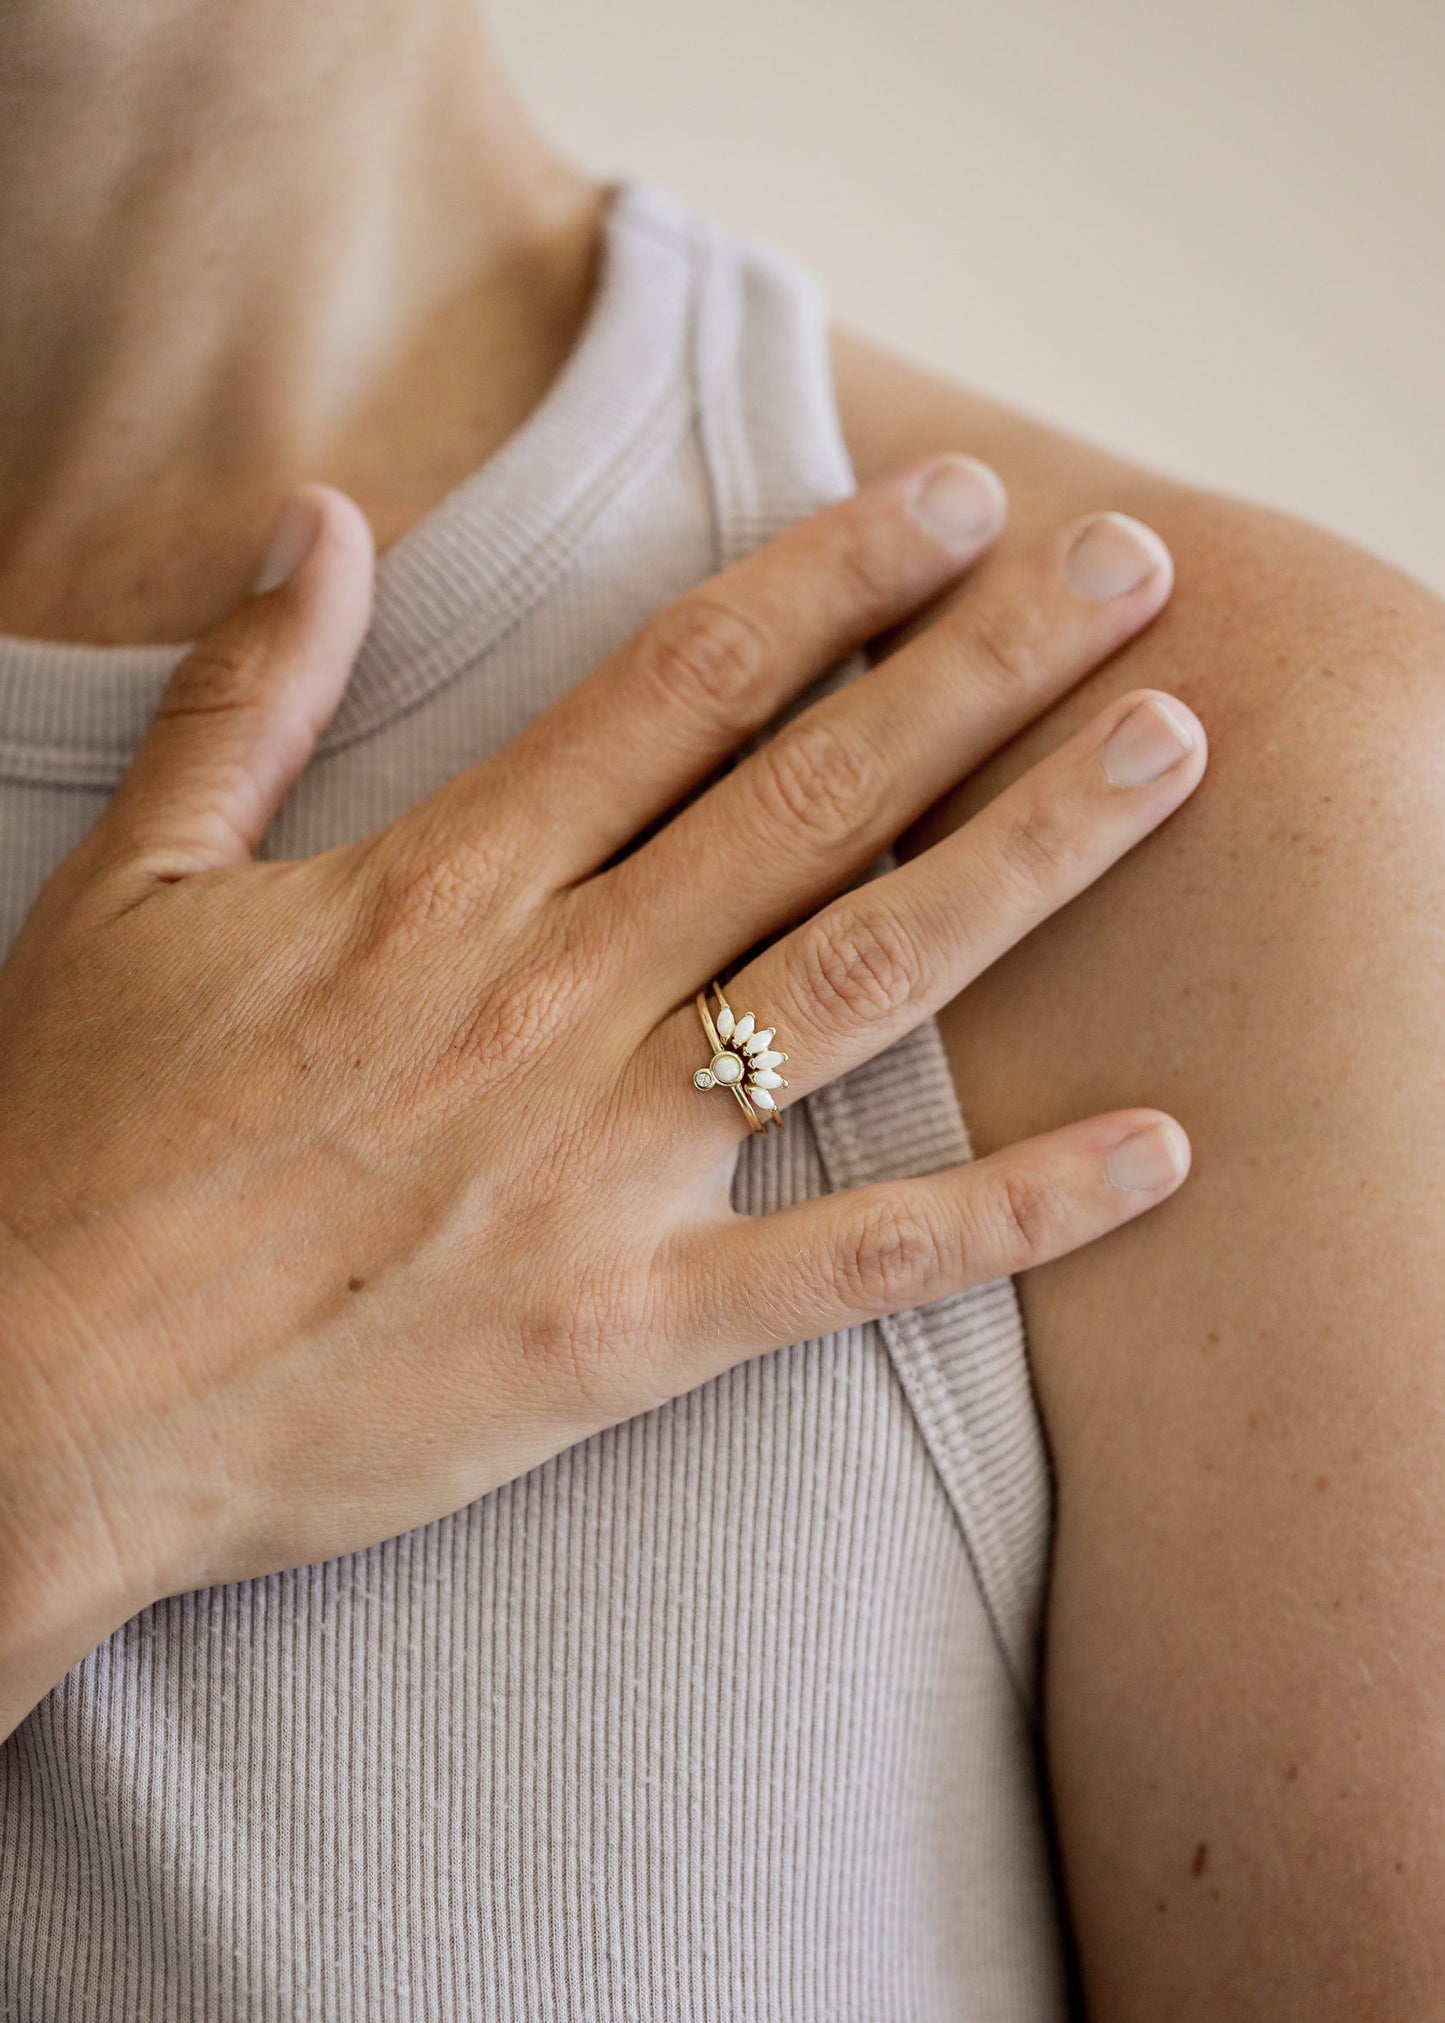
(1244, 1391)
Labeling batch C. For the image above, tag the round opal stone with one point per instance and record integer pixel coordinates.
(727, 1069)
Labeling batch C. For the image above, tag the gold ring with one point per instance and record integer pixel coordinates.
(744, 1060)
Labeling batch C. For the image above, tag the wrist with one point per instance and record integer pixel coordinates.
(51, 1616)
(64, 1583)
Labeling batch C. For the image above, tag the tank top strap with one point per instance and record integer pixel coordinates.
(774, 444)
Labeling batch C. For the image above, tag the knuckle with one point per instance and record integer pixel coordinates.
(1008, 648)
(424, 894)
(816, 780)
(857, 970)
(585, 1343)
(866, 575)
(888, 1260)
(508, 1031)
(706, 654)
(1026, 1220)
(426, 886)
(219, 675)
(1037, 847)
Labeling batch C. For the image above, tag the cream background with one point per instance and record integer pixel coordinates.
(1211, 237)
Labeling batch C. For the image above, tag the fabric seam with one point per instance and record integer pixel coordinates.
(908, 1336)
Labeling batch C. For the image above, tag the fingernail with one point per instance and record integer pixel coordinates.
(297, 526)
(1156, 1157)
(1112, 555)
(960, 502)
(1144, 744)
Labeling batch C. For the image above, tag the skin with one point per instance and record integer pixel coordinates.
(374, 267)
(1242, 1390)
(1244, 1394)
(383, 1134)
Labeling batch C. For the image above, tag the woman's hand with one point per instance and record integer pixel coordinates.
(334, 1193)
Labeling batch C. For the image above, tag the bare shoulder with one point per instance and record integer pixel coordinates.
(1245, 1390)
(1320, 674)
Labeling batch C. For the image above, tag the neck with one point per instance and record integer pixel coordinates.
(247, 242)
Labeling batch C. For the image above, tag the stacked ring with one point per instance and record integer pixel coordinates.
(744, 1060)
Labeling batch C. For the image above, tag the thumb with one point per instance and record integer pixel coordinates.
(242, 712)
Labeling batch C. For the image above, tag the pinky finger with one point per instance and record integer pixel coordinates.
(874, 1250)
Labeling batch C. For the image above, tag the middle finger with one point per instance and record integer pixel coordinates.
(805, 814)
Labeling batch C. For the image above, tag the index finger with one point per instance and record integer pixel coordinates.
(657, 716)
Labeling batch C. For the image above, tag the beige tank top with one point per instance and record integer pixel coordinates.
(727, 1713)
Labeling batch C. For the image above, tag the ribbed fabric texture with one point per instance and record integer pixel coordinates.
(727, 1713)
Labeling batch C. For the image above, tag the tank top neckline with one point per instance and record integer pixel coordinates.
(706, 349)
(473, 566)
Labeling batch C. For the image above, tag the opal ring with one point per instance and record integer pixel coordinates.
(744, 1060)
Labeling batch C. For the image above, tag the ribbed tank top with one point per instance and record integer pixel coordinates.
(728, 1712)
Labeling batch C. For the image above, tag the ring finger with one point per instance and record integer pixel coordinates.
(880, 959)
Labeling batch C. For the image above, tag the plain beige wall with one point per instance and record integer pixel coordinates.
(1210, 236)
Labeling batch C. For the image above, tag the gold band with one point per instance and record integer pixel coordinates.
(743, 1059)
